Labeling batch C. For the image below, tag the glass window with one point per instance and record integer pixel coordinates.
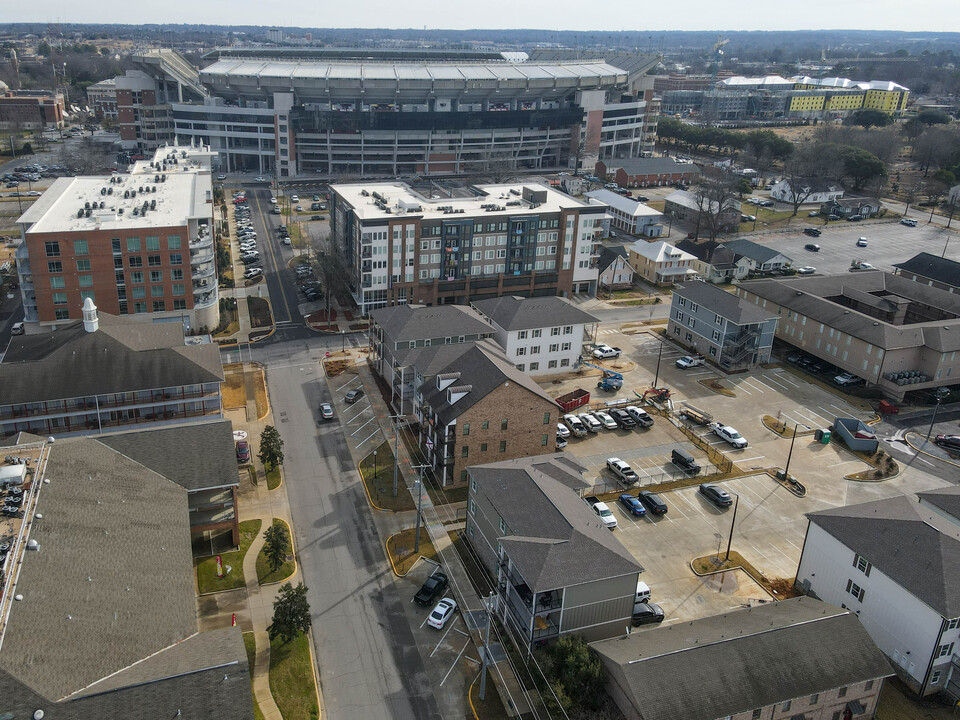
(543, 441)
(159, 306)
(503, 424)
(80, 247)
(179, 289)
(154, 260)
(156, 291)
(465, 451)
(503, 446)
(156, 276)
(136, 277)
(59, 298)
(152, 243)
(546, 418)
(173, 242)
(52, 248)
(176, 259)
(54, 266)
(466, 428)
(179, 304)
(83, 266)
(57, 282)
(85, 280)
(485, 425)
(176, 274)
(135, 261)
(84, 294)
(62, 314)
(842, 692)
(138, 293)
(133, 244)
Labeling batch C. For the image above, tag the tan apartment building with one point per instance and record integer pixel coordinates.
(894, 332)
(30, 110)
(139, 244)
(479, 409)
(797, 658)
(660, 263)
(401, 246)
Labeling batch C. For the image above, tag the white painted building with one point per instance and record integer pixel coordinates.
(894, 563)
(628, 214)
(806, 190)
(541, 335)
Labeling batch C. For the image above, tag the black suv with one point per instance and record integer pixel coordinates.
(647, 614)
(431, 588)
(652, 502)
(949, 442)
(812, 232)
(623, 419)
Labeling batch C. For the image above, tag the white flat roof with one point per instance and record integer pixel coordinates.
(623, 204)
(182, 196)
(402, 200)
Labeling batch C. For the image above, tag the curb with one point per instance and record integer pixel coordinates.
(906, 439)
(293, 551)
(470, 698)
(367, 491)
(415, 562)
(735, 567)
(266, 395)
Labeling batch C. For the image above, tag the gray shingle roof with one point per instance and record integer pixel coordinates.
(124, 355)
(650, 166)
(555, 539)
(725, 304)
(933, 267)
(808, 296)
(403, 323)
(609, 254)
(519, 313)
(431, 359)
(196, 457)
(752, 250)
(742, 660)
(947, 499)
(485, 368)
(112, 582)
(813, 185)
(915, 547)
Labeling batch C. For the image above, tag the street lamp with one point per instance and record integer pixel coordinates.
(375, 468)
(733, 521)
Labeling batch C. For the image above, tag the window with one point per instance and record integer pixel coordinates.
(713, 350)
(85, 280)
(485, 425)
(534, 349)
(694, 307)
(842, 692)
(681, 302)
(716, 335)
(83, 266)
(503, 424)
(473, 485)
(944, 650)
(159, 306)
(554, 331)
(54, 266)
(679, 316)
(56, 282)
(173, 242)
(784, 707)
(465, 451)
(52, 248)
(473, 507)
(140, 307)
(536, 333)
(178, 289)
(935, 678)
(543, 441)
(176, 274)
(80, 247)
(521, 352)
(156, 276)
(520, 367)
(138, 293)
(59, 298)
(503, 446)
(176, 259)
(814, 698)
(136, 277)
(154, 260)
(676, 331)
(691, 322)
(522, 335)
(953, 624)
(62, 314)
(717, 319)
(466, 429)
(756, 713)
(133, 244)
(156, 291)
(483, 447)
(868, 685)
(135, 261)
(861, 564)
(855, 590)
(503, 526)
(546, 418)
(568, 329)
(534, 366)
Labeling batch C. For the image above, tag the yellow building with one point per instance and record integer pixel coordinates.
(888, 97)
(848, 95)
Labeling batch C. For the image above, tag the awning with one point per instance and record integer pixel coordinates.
(855, 707)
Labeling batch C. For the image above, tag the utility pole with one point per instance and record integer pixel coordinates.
(487, 602)
(419, 468)
(396, 449)
(656, 377)
(786, 470)
(733, 521)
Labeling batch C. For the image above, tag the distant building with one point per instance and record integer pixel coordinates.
(685, 205)
(30, 110)
(644, 172)
(558, 569)
(731, 332)
(630, 215)
(760, 258)
(797, 658)
(102, 98)
(660, 263)
(615, 270)
(806, 190)
(846, 207)
(894, 563)
(275, 35)
(933, 270)
(541, 336)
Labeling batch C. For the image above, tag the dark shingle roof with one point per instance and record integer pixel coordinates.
(723, 303)
(933, 268)
(608, 256)
(124, 355)
(814, 185)
(196, 457)
(555, 539)
(746, 659)
(519, 313)
(915, 547)
(947, 499)
(752, 250)
(402, 323)
(650, 166)
(484, 368)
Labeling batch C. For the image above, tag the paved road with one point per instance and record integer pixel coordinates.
(367, 655)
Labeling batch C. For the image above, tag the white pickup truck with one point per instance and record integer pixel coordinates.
(625, 474)
(605, 514)
(603, 352)
(729, 434)
(690, 361)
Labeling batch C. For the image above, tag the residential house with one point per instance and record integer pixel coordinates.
(936, 271)
(404, 337)
(541, 336)
(760, 258)
(615, 270)
(806, 190)
(481, 408)
(122, 374)
(104, 624)
(629, 215)
(715, 263)
(953, 196)
(894, 562)
(640, 172)
(730, 331)
(685, 205)
(660, 263)
(797, 658)
(847, 207)
(558, 569)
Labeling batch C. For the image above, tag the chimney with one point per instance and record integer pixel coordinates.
(91, 322)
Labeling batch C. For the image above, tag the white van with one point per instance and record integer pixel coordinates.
(17, 329)
(643, 593)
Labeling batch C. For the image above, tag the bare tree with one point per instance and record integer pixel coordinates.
(806, 169)
(86, 157)
(714, 199)
(499, 167)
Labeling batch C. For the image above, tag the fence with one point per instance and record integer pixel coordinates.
(650, 477)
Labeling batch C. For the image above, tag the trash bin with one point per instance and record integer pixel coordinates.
(825, 437)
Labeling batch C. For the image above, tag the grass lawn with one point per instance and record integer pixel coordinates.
(264, 574)
(234, 393)
(273, 478)
(260, 315)
(250, 645)
(232, 323)
(400, 547)
(207, 567)
(291, 679)
(377, 475)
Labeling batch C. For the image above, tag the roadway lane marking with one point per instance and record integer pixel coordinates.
(273, 258)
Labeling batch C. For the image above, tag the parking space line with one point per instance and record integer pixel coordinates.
(740, 387)
(359, 444)
(443, 637)
(341, 387)
(840, 408)
(454, 663)
(705, 372)
(753, 383)
(770, 379)
(362, 426)
(758, 457)
(785, 376)
(844, 462)
(791, 419)
(810, 415)
(362, 411)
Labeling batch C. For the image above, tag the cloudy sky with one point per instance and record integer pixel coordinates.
(910, 15)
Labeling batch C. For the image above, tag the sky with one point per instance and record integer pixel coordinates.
(610, 15)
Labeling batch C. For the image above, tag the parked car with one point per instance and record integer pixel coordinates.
(690, 361)
(221, 178)
(861, 242)
(251, 272)
(652, 502)
(848, 379)
(575, 424)
(441, 613)
(685, 461)
(949, 442)
(295, 198)
(716, 494)
(243, 451)
(909, 222)
(641, 416)
(433, 586)
(326, 411)
(812, 247)
(647, 614)
(606, 515)
(632, 505)
(855, 218)
(590, 422)
(562, 430)
(730, 434)
(747, 218)
(608, 422)
(623, 419)
(259, 178)
(624, 473)
(354, 395)
(561, 443)
(806, 270)
(17, 328)
(250, 259)
(812, 232)
(605, 351)
(813, 213)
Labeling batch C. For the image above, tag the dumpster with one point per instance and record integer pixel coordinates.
(888, 408)
(573, 400)
(825, 437)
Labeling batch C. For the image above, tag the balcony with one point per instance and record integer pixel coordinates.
(204, 271)
(204, 300)
(204, 241)
(201, 256)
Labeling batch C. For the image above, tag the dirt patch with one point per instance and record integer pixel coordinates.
(336, 367)
(320, 316)
(233, 390)
(260, 315)
(780, 588)
(717, 387)
(400, 549)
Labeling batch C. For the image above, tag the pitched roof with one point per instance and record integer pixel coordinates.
(196, 457)
(752, 250)
(746, 659)
(518, 313)
(124, 355)
(947, 499)
(608, 256)
(813, 184)
(403, 323)
(688, 200)
(112, 583)
(810, 296)
(626, 205)
(650, 166)
(709, 252)
(484, 368)
(660, 251)
(932, 267)
(430, 359)
(725, 304)
(912, 545)
(555, 539)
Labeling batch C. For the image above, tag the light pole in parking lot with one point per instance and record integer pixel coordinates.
(419, 483)
(786, 470)
(656, 377)
(733, 521)
(376, 470)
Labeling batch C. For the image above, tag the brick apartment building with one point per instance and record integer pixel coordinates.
(30, 110)
(646, 172)
(102, 99)
(137, 244)
(401, 246)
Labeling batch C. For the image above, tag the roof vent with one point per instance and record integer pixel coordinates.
(91, 321)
